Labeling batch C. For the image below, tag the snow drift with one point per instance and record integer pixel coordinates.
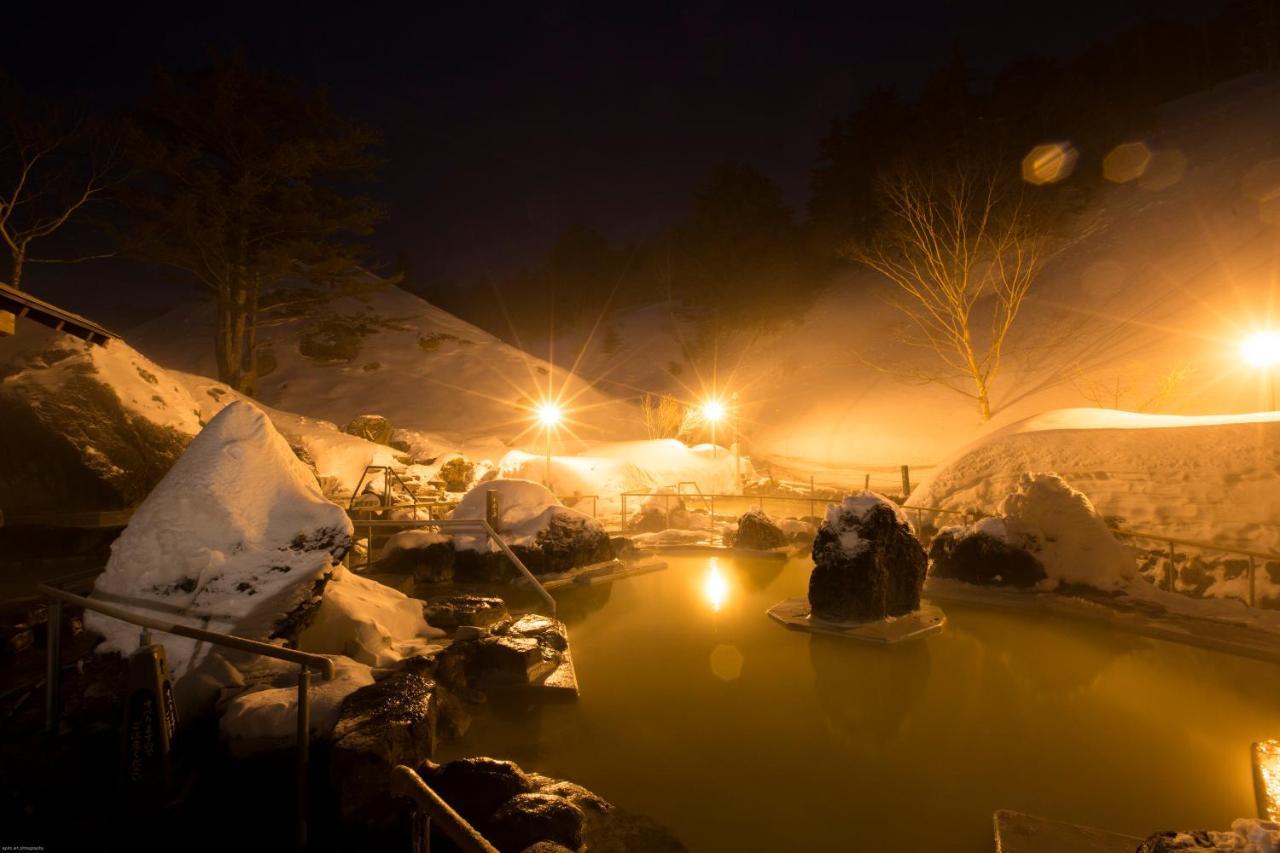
(231, 533)
(1208, 478)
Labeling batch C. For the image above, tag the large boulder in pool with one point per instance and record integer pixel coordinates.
(522, 811)
(982, 554)
(659, 512)
(758, 532)
(867, 562)
(546, 535)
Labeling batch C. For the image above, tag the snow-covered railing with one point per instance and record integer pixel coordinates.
(406, 783)
(1172, 543)
(478, 525)
(306, 662)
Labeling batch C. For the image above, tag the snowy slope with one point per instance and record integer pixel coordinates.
(1160, 274)
(390, 353)
(1204, 478)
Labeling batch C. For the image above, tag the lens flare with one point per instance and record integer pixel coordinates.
(1261, 349)
(713, 410)
(549, 414)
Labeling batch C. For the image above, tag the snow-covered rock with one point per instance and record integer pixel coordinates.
(868, 563)
(229, 539)
(366, 621)
(1043, 531)
(266, 718)
(85, 426)
(547, 536)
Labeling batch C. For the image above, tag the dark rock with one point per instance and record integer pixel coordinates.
(512, 661)
(526, 819)
(660, 513)
(546, 847)
(373, 428)
(389, 722)
(1167, 842)
(982, 559)
(448, 613)
(429, 563)
(477, 787)
(757, 531)
(548, 632)
(877, 571)
(568, 542)
(458, 474)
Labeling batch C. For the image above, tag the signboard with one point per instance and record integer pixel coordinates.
(150, 722)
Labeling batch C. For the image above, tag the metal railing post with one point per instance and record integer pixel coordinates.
(53, 663)
(1170, 570)
(1253, 601)
(304, 744)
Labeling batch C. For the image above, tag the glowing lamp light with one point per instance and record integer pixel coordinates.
(1261, 349)
(549, 415)
(713, 411)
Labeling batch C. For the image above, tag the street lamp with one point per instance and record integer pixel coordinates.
(1262, 350)
(549, 414)
(713, 412)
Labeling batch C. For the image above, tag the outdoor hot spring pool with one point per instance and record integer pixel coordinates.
(700, 711)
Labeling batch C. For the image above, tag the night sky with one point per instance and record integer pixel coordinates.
(504, 124)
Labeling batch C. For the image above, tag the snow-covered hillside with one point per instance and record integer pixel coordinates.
(390, 353)
(1202, 478)
(1158, 281)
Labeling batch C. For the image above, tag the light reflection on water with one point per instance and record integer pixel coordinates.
(742, 735)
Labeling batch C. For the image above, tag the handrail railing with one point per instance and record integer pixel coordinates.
(406, 783)
(477, 524)
(389, 473)
(305, 660)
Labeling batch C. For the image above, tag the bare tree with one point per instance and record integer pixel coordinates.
(50, 171)
(962, 246)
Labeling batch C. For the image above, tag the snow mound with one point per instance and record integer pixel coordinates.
(1060, 526)
(525, 509)
(1212, 479)
(224, 540)
(366, 621)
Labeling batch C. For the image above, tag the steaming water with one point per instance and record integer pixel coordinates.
(741, 735)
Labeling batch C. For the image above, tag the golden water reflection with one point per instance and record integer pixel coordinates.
(715, 586)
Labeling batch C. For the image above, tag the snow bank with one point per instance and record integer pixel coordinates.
(229, 534)
(1060, 526)
(366, 621)
(1214, 479)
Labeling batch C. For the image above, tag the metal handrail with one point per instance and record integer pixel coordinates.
(406, 783)
(305, 660)
(479, 524)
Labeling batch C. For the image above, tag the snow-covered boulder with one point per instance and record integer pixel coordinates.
(231, 539)
(86, 426)
(547, 536)
(1044, 531)
(366, 621)
(982, 554)
(867, 562)
(757, 531)
(661, 511)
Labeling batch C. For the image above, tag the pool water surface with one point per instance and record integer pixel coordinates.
(739, 734)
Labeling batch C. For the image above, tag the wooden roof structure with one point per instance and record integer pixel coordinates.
(16, 305)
